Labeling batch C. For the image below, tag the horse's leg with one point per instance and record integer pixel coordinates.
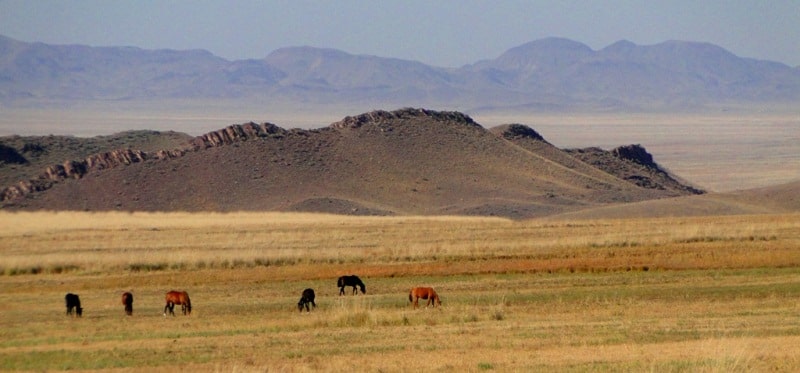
(341, 291)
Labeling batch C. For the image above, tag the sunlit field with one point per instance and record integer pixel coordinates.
(679, 294)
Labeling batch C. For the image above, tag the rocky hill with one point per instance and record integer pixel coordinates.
(408, 161)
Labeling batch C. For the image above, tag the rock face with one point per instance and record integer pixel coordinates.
(237, 132)
(635, 153)
(634, 164)
(78, 169)
(10, 155)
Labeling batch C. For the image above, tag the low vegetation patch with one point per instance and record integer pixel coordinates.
(515, 295)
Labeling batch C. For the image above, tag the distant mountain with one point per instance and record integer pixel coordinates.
(553, 73)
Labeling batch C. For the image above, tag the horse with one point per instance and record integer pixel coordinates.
(127, 301)
(425, 293)
(353, 281)
(178, 297)
(305, 299)
(73, 302)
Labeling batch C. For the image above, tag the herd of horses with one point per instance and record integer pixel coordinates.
(174, 297)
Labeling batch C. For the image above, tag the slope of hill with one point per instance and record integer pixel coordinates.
(27, 156)
(409, 161)
(554, 74)
(784, 198)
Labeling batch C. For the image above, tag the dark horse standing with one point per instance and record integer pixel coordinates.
(353, 281)
(127, 301)
(178, 297)
(73, 302)
(305, 299)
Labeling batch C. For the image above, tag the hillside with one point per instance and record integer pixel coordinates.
(25, 157)
(551, 74)
(769, 200)
(409, 161)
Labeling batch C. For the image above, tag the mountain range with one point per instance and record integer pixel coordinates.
(551, 74)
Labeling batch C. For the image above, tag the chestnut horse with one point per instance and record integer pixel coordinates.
(425, 293)
(306, 298)
(127, 301)
(178, 297)
(353, 281)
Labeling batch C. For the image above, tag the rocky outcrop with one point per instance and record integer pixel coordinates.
(518, 131)
(72, 169)
(77, 169)
(11, 155)
(634, 164)
(635, 153)
(379, 116)
(235, 133)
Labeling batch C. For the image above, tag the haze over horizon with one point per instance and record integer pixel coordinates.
(443, 33)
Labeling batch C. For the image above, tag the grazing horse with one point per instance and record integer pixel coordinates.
(353, 281)
(425, 293)
(127, 301)
(305, 299)
(178, 297)
(73, 302)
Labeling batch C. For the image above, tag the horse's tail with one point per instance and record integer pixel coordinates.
(410, 295)
(340, 282)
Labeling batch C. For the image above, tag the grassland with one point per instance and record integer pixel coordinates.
(677, 294)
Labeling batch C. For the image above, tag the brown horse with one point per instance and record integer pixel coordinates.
(127, 301)
(425, 293)
(178, 297)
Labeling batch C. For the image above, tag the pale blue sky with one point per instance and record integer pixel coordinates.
(441, 33)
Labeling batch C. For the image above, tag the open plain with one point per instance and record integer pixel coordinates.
(669, 294)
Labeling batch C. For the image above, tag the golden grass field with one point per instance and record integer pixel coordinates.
(679, 294)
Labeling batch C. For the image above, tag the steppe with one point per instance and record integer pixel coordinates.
(716, 294)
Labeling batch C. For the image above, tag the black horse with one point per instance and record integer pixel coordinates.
(305, 299)
(73, 302)
(353, 281)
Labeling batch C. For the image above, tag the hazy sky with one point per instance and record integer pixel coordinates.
(440, 33)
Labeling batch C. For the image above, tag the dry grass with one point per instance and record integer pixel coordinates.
(97, 242)
(689, 294)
